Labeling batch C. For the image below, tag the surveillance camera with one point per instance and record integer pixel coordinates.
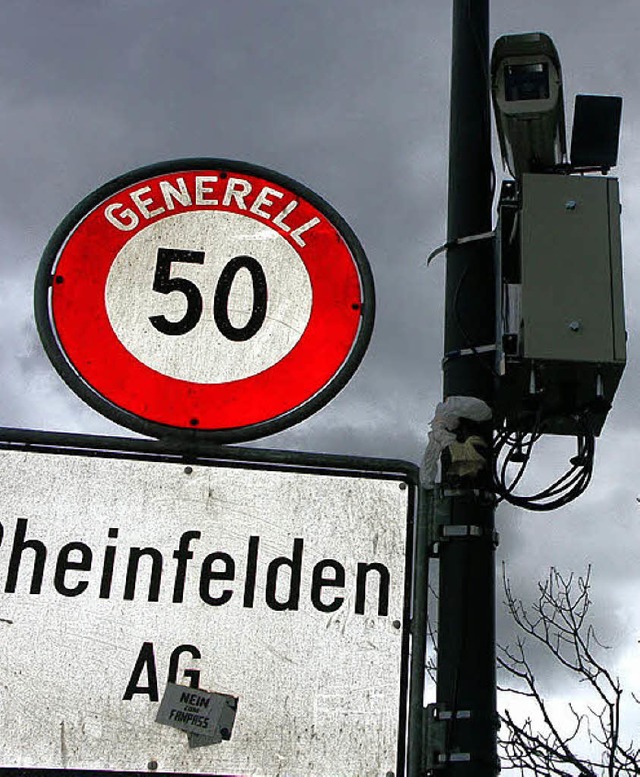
(526, 84)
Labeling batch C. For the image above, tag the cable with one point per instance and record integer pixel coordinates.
(515, 448)
(456, 316)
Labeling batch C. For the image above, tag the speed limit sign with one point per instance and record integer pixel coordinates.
(205, 295)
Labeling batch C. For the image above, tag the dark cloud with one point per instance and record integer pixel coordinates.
(351, 98)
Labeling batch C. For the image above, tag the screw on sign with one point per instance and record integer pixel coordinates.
(204, 296)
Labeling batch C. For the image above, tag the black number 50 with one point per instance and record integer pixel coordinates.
(164, 283)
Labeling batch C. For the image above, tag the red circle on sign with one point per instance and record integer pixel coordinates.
(125, 246)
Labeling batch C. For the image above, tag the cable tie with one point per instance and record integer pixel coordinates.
(458, 715)
(469, 351)
(444, 758)
(458, 242)
(457, 530)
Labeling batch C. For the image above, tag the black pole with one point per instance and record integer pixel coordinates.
(466, 676)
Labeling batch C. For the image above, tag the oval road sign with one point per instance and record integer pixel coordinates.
(204, 296)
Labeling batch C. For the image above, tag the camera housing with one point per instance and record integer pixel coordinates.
(526, 85)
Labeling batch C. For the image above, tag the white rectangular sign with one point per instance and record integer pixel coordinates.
(285, 589)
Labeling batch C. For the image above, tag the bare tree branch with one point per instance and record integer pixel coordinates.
(558, 621)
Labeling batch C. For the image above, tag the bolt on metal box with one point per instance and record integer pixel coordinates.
(565, 302)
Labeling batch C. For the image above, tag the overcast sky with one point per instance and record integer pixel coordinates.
(349, 97)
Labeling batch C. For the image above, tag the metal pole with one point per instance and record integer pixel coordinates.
(466, 676)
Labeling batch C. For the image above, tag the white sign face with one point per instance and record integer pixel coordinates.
(282, 589)
(204, 354)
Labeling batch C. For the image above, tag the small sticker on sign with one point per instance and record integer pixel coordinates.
(206, 717)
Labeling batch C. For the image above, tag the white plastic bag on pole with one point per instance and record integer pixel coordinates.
(445, 421)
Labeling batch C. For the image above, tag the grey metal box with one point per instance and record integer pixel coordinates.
(562, 339)
(571, 266)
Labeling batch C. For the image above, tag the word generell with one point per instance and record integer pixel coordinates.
(167, 195)
(280, 582)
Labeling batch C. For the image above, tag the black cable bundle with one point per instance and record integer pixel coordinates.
(515, 448)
